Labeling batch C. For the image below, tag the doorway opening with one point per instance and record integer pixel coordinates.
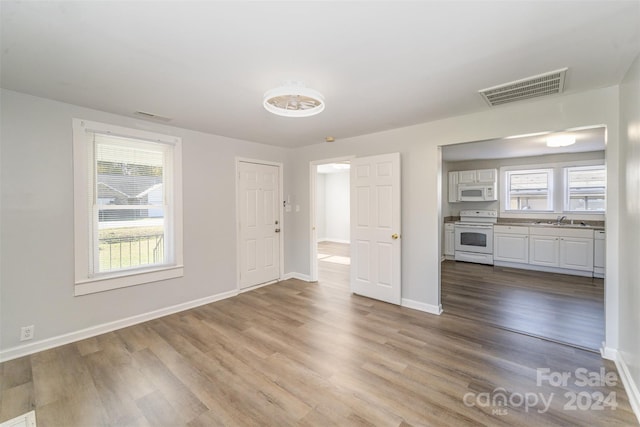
(330, 218)
(544, 275)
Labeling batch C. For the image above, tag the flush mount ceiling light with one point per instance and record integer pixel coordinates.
(561, 140)
(293, 99)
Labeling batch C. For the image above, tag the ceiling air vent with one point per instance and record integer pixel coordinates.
(541, 85)
(151, 116)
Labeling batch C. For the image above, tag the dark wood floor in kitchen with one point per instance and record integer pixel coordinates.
(567, 309)
(303, 354)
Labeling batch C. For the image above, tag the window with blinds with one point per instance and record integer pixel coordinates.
(128, 206)
(129, 203)
(585, 189)
(561, 188)
(529, 190)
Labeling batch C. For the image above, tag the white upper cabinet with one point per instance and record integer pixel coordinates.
(479, 176)
(487, 176)
(467, 177)
(453, 187)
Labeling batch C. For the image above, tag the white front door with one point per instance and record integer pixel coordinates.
(375, 227)
(259, 223)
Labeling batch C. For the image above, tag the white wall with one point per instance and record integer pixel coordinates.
(337, 207)
(421, 186)
(37, 270)
(37, 206)
(453, 209)
(321, 208)
(629, 347)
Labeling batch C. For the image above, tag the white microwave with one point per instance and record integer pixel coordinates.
(476, 192)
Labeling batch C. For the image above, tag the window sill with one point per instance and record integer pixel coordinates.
(126, 279)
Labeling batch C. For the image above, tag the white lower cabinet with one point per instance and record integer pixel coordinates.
(599, 253)
(562, 250)
(544, 250)
(561, 247)
(449, 240)
(576, 253)
(511, 244)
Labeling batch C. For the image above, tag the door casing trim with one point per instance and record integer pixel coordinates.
(313, 236)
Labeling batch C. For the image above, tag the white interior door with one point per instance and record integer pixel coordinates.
(375, 227)
(259, 223)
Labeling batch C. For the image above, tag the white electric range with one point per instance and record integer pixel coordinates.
(474, 236)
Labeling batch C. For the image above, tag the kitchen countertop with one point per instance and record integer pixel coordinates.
(528, 222)
(551, 224)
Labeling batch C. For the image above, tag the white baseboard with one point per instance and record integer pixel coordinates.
(26, 420)
(543, 268)
(630, 385)
(417, 305)
(250, 288)
(34, 347)
(608, 352)
(294, 275)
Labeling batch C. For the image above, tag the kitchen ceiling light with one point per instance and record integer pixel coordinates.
(561, 140)
(293, 100)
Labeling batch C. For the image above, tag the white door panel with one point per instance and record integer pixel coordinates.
(258, 196)
(375, 227)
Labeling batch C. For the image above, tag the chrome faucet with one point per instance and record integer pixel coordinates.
(560, 219)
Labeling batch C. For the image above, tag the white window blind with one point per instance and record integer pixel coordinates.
(129, 203)
(529, 190)
(585, 189)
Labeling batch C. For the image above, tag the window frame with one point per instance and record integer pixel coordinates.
(567, 191)
(560, 189)
(550, 188)
(86, 281)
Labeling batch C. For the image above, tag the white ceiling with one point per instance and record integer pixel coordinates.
(380, 65)
(334, 168)
(592, 139)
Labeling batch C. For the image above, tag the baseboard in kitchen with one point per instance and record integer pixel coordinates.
(417, 305)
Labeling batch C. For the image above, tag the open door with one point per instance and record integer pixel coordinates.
(375, 227)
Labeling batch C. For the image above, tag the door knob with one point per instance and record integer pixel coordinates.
(394, 236)
(277, 230)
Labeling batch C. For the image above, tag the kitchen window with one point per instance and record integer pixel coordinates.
(585, 189)
(577, 188)
(529, 190)
(128, 208)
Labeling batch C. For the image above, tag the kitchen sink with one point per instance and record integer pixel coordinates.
(562, 225)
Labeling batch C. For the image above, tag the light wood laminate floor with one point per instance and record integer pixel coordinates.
(334, 264)
(307, 354)
(559, 307)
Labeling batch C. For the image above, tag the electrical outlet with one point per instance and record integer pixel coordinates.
(26, 332)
